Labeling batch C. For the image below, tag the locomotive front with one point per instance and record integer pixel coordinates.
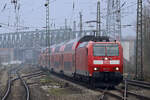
(106, 61)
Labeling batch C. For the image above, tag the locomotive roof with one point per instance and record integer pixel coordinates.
(94, 38)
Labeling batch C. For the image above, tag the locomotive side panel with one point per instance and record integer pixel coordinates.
(82, 61)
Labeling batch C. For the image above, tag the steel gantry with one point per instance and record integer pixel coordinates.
(98, 26)
(36, 38)
(113, 22)
(139, 43)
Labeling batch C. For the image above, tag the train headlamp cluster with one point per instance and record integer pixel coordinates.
(96, 69)
(106, 58)
(117, 68)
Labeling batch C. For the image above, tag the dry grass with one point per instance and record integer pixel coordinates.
(60, 91)
(49, 88)
(75, 97)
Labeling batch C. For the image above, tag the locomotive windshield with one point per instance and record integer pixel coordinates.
(105, 50)
(99, 50)
(112, 50)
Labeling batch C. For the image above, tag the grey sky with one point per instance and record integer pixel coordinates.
(32, 13)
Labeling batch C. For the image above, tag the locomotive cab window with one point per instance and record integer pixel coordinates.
(112, 50)
(99, 50)
(105, 50)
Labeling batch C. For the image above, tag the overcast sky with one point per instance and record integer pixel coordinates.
(32, 13)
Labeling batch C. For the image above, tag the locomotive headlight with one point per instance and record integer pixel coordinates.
(106, 58)
(95, 69)
(117, 68)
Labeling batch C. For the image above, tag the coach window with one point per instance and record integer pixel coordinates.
(83, 44)
(57, 49)
(68, 47)
(50, 50)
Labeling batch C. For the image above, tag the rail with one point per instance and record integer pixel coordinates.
(26, 86)
(106, 92)
(8, 90)
(139, 83)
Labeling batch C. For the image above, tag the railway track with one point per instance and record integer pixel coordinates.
(19, 77)
(113, 93)
(7, 90)
(25, 86)
(141, 97)
(139, 83)
(31, 75)
(118, 93)
(125, 94)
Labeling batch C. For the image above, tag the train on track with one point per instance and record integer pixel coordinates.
(95, 60)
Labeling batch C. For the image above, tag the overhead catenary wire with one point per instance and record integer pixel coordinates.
(86, 2)
(4, 7)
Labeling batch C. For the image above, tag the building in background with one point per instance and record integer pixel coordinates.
(6, 55)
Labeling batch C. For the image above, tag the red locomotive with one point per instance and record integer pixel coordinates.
(92, 59)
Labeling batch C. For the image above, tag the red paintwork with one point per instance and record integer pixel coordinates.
(82, 58)
(106, 66)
